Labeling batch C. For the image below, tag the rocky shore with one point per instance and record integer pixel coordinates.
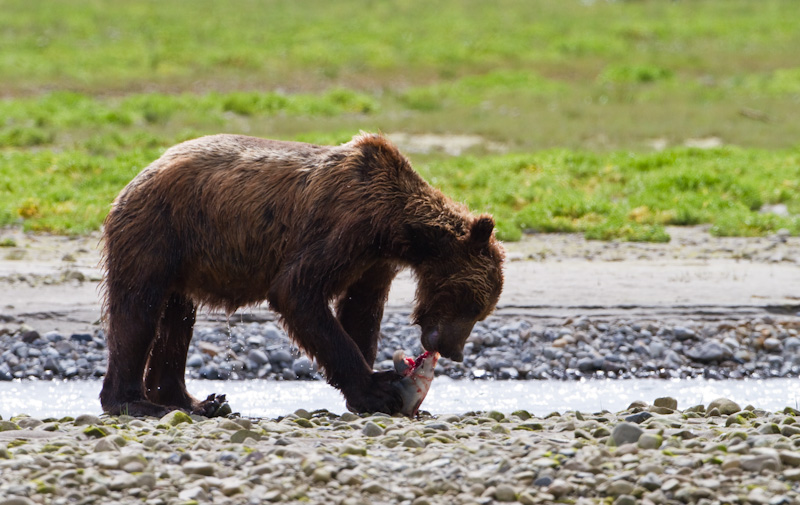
(648, 454)
(505, 348)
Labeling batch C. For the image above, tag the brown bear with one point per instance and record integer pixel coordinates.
(228, 221)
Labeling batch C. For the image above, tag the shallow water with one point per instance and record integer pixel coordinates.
(273, 398)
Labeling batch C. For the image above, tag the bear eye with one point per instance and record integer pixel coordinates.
(474, 310)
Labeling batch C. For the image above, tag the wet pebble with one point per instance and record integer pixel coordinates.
(498, 348)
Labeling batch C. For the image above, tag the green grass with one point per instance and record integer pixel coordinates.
(577, 93)
(619, 195)
(622, 195)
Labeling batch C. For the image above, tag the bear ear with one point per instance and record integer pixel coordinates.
(481, 231)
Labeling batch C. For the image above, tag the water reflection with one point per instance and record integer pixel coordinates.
(272, 398)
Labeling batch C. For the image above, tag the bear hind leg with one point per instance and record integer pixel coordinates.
(164, 375)
(131, 332)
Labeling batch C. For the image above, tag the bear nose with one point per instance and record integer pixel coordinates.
(430, 340)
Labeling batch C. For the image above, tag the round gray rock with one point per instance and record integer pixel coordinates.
(626, 433)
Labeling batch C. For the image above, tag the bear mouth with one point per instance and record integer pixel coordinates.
(430, 342)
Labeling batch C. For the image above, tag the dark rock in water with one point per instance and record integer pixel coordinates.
(81, 337)
(52, 364)
(195, 360)
(507, 373)
(281, 357)
(209, 372)
(543, 481)
(710, 351)
(258, 357)
(5, 372)
(303, 367)
(587, 365)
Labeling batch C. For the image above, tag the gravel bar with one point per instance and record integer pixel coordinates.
(648, 454)
(504, 348)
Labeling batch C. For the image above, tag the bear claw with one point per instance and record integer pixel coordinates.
(213, 406)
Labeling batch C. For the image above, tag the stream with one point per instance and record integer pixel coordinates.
(257, 398)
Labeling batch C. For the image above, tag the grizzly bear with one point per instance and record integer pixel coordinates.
(227, 221)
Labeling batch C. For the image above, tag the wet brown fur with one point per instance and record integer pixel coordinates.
(228, 221)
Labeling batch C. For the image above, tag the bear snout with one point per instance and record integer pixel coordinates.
(449, 348)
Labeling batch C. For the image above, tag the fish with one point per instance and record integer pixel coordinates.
(417, 378)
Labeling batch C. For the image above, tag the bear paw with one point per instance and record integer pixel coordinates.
(382, 394)
(213, 406)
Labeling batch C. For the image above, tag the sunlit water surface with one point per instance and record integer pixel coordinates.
(258, 398)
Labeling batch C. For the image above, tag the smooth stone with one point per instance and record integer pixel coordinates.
(620, 487)
(303, 366)
(371, 429)
(175, 418)
(760, 462)
(241, 435)
(505, 493)
(17, 500)
(625, 499)
(639, 417)
(560, 487)
(198, 468)
(626, 433)
(373, 487)
(650, 481)
(87, 419)
(666, 402)
(231, 486)
(195, 360)
(790, 458)
(724, 406)
(650, 441)
(322, 474)
(8, 426)
(195, 494)
(105, 445)
(122, 481)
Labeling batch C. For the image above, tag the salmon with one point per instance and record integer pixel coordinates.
(417, 378)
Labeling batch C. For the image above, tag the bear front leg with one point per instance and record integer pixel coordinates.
(313, 327)
(360, 309)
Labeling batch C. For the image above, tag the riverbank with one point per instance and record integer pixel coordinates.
(571, 309)
(503, 347)
(647, 454)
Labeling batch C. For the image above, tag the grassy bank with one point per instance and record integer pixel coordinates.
(580, 96)
(605, 195)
